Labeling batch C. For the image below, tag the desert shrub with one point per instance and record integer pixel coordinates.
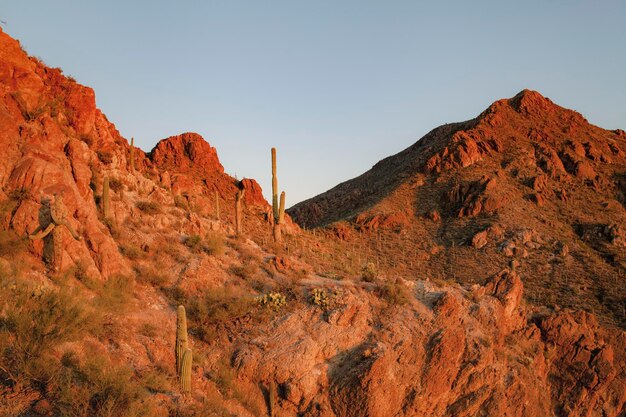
(273, 300)
(148, 330)
(97, 387)
(37, 320)
(115, 293)
(214, 244)
(151, 276)
(216, 309)
(105, 157)
(394, 293)
(193, 242)
(87, 139)
(131, 251)
(10, 244)
(181, 202)
(369, 273)
(115, 184)
(149, 207)
(320, 298)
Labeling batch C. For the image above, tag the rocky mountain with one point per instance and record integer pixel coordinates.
(100, 243)
(526, 180)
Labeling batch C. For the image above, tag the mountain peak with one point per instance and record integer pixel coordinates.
(185, 152)
(530, 101)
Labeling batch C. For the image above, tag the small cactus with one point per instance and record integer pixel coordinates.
(185, 372)
(106, 201)
(181, 337)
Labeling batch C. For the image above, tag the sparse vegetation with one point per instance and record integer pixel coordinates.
(369, 273)
(273, 300)
(149, 207)
(394, 293)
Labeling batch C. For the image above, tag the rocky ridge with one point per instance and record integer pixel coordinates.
(398, 344)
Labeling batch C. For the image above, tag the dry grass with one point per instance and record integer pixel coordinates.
(149, 207)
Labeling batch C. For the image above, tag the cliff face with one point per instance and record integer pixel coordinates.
(87, 313)
(56, 142)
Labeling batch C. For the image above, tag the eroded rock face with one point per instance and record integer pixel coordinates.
(186, 152)
(452, 352)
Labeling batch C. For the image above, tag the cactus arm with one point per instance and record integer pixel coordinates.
(41, 234)
(70, 228)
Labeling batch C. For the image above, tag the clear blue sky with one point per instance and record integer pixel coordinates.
(334, 85)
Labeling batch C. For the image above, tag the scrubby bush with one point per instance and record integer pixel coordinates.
(369, 273)
(193, 242)
(115, 184)
(37, 320)
(214, 244)
(131, 251)
(394, 293)
(217, 308)
(149, 207)
(320, 298)
(272, 300)
(105, 157)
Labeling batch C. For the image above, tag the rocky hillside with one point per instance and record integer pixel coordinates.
(526, 181)
(100, 243)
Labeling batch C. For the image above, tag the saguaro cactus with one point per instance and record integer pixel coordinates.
(185, 372)
(281, 210)
(54, 216)
(239, 211)
(132, 155)
(105, 197)
(181, 336)
(274, 186)
(272, 399)
(278, 211)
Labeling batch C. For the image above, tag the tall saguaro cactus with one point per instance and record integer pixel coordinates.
(278, 209)
(181, 337)
(274, 186)
(106, 201)
(185, 372)
(132, 155)
(239, 211)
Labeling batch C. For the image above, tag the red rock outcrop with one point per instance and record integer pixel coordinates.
(451, 352)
